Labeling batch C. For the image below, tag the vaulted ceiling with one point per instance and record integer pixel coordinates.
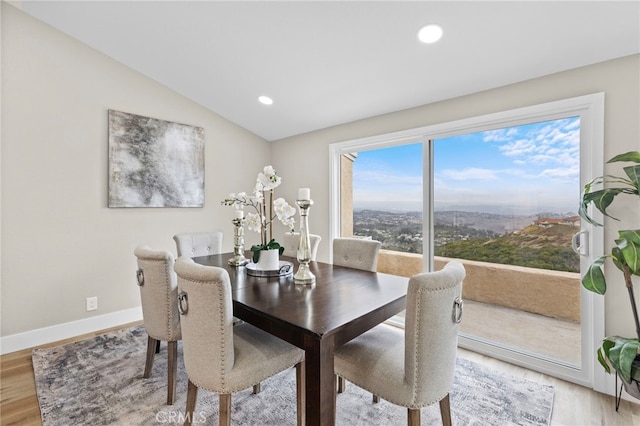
(325, 63)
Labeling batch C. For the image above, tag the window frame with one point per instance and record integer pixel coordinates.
(590, 108)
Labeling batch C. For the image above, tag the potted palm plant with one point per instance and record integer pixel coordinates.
(617, 353)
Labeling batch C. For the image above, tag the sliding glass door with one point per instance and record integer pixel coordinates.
(504, 203)
(500, 194)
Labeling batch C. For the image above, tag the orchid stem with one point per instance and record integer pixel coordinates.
(270, 214)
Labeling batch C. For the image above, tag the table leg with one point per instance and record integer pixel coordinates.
(320, 386)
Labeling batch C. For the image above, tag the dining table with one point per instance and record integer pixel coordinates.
(318, 318)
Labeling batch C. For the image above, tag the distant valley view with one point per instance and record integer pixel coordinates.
(538, 241)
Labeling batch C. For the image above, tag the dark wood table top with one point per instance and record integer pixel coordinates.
(342, 304)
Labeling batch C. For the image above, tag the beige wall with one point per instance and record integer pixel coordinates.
(618, 79)
(60, 242)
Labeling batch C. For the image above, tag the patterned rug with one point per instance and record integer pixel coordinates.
(99, 382)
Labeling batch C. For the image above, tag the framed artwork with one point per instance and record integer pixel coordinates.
(154, 163)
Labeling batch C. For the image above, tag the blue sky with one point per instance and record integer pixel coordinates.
(517, 170)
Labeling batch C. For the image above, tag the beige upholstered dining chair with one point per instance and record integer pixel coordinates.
(159, 296)
(194, 244)
(357, 253)
(291, 241)
(413, 369)
(218, 356)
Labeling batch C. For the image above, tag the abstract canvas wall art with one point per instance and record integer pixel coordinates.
(154, 163)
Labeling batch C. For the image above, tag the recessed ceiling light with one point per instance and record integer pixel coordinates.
(265, 100)
(430, 33)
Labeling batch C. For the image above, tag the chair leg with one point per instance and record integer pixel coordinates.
(445, 411)
(225, 409)
(172, 371)
(341, 384)
(192, 396)
(256, 389)
(376, 399)
(157, 346)
(413, 417)
(300, 393)
(151, 351)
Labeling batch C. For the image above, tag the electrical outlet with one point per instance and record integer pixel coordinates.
(92, 303)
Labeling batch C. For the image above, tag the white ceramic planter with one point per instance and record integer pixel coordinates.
(269, 260)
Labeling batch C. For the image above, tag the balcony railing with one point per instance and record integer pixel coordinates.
(553, 294)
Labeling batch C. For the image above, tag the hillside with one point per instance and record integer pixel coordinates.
(475, 236)
(538, 237)
(533, 246)
(496, 223)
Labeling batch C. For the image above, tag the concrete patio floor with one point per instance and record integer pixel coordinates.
(523, 330)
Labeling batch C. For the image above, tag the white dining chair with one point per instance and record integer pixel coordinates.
(159, 297)
(291, 241)
(195, 244)
(412, 368)
(358, 253)
(218, 356)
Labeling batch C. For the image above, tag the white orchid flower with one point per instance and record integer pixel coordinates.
(253, 222)
(257, 193)
(268, 179)
(284, 212)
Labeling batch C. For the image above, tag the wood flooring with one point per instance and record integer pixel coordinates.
(573, 405)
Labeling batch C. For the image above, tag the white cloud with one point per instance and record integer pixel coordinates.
(372, 177)
(556, 142)
(500, 135)
(514, 172)
(518, 148)
(470, 174)
(568, 173)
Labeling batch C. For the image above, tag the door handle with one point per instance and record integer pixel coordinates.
(577, 243)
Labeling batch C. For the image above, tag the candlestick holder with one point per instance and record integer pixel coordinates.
(238, 258)
(304, 275)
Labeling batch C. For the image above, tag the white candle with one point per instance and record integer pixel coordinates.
(304, 194)
(238, 214)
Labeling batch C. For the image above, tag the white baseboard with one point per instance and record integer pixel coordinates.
(40, 336)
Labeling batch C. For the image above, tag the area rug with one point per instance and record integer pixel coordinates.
(99, 382)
